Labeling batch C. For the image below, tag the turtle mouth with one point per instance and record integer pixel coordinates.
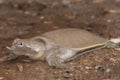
(11, 49)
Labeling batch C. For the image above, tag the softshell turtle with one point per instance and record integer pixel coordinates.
(58, 46)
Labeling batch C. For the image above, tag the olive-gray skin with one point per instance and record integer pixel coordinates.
(57, 46)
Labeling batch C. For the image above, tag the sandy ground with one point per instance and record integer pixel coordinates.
(28, 18)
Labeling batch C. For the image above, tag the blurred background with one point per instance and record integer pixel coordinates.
(28, 18)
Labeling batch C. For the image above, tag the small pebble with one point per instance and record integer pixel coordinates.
(1, 1)
(71, 74)
(107, 79)
(20, 67)
(98, 1)
(34, 14)
(47, 22)
(86, 72)
(55, 27)
(67, 70)
(54, 4)
(55, 72)
(42, 17)
(27, 12)
(1, 78)
(109, 21)
(108, 70)
(98, 67)
(92, 17)
(112, 60)
(88, 68)
(117, 0)
(1, 27)
(66, 2)
(77, 67)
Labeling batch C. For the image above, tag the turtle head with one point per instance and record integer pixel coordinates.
(27, 47)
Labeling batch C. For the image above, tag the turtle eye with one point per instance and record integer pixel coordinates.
(20, 44)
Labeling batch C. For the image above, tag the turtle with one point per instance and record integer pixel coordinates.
(59, 46)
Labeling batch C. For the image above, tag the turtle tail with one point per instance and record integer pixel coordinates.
(84, 52)
(112, 43)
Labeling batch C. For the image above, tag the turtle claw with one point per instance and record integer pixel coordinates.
(8, 58)
(56, 62)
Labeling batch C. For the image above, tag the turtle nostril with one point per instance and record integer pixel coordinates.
(9, 48)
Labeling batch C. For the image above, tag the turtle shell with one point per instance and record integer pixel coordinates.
(74, 38)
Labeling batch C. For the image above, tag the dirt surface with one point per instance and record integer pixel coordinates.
(28, 18)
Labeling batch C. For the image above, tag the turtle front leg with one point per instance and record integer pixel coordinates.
(9, 57)
(55, 60)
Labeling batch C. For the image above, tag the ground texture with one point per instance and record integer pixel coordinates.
(28, 18)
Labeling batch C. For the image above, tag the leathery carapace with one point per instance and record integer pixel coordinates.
(58, 46)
